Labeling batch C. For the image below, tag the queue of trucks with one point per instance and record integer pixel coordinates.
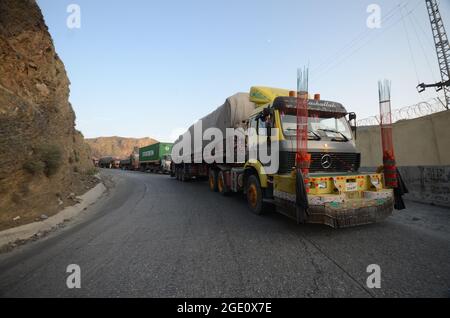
(333, 192)
(155, 158)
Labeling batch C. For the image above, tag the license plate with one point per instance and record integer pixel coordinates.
(352, 186)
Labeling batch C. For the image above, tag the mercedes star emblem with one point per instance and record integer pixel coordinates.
(326, 161)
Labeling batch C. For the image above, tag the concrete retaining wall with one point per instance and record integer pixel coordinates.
(423, 141)
(422, 151)
(428, 184)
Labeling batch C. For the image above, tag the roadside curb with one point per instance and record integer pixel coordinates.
(27, 231)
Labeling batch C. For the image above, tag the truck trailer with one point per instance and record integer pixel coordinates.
(109, 163)
(155, 158)
(130, 163)
(335, 192)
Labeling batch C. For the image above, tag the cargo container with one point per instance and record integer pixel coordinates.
(156, 157)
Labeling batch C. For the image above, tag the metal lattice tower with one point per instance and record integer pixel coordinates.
(442, 45)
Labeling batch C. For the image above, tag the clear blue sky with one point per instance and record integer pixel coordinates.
(151, 68)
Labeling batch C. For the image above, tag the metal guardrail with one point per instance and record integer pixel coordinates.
(422, 109)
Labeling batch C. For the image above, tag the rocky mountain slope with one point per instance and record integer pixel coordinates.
(43, 158)
(116, 146)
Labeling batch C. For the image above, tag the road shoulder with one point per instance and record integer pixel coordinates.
(12, 237)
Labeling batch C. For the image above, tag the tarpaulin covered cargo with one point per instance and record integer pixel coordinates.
(231, 114)
(236, 109)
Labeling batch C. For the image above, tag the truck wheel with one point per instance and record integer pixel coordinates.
(221, 184)
(212, 180)
(254, 195)
(177, 174)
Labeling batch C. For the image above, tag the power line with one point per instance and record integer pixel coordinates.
(426, 35)
(339, 62)
(410, 47)
(422, 47)
(355, 40)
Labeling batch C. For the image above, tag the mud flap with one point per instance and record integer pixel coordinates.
(399, 192)
(302, 204)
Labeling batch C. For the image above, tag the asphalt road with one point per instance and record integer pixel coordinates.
(153, 236)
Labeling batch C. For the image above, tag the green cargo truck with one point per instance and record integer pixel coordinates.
(156, 157)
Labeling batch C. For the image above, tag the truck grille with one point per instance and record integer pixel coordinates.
(340, 162)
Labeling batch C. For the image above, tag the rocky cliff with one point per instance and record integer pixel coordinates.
(116, 146)
(43, 158)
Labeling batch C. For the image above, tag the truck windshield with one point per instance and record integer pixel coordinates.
(335, 129)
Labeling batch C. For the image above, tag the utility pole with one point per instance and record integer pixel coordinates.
(442, 50)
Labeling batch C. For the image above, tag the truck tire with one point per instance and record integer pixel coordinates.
(222, 186)
(177, 173)
(212, 180)
(254, 195)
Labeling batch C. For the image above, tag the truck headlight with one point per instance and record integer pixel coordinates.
(322, 185)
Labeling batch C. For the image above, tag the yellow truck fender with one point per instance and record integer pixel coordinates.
(259, 168)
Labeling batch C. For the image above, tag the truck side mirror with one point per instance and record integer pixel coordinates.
(352, 122)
